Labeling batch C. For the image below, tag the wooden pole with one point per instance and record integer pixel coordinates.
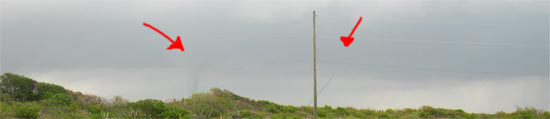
(314, 68)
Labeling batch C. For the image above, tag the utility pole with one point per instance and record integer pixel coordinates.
(314, 68)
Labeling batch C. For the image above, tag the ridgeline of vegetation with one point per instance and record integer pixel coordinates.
(22, 97)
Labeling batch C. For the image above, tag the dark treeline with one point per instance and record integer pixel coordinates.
(22, 97)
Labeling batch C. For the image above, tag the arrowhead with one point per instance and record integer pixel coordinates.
(176, 45)
(346, 40)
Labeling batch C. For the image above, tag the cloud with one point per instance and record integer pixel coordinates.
(433, 52)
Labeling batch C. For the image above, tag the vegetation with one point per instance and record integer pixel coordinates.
(22, 97)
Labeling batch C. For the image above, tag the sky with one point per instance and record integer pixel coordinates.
(476, 55)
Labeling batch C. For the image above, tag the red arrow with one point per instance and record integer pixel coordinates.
(347, 40)
(175, 44)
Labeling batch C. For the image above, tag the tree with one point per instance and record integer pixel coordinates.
(18, 87)
(45, 90)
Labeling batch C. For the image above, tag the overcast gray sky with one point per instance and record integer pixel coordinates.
(478, 55)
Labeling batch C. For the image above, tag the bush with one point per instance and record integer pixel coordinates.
(150, 106)
(74, 116)
(95, 109)
(270, 107)
(46, 90)
(22, 88)
(96, 112)
(284, 116)
(18, 87)
(158, 109)
(4, 97)
(358, 114)
(342, 111)
(27, 111)
(248, 114)
(60, 99)
(174, 112)
(210, 105)
(527, 113)
(323, 112)
(289, 109)
(226, 94)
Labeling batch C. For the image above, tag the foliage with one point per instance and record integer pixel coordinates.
(46, 90)
(172, 112)
(21, 97)
(27, 111)
(150, 106)
(210, 105)
(60, 99)
(158, 109)
(5, 97)
(18, 87)
(248, 114)
(25, 89)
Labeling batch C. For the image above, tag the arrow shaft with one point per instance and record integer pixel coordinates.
(147, 25)
(360, 18)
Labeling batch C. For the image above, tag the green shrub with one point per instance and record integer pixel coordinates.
(323, 113)
(4, 97)
(342, 111)
(60, 99)
(74, 116)
(272, 108)
(97, 112)
(158, 109)
(385, 115)
(248, 114)
(358, 114)
(423, 114)
(21, 97)
(225, 93)
(289, 109)
(27, 111)
(150, 106)
(95, 109)
(97, 116)
(18, 87)
(526, 113)
(174, 112)
(211, 105)
(7, 110)
(284, 116)
(46, 90)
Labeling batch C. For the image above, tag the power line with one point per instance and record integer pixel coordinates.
(324, 87)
